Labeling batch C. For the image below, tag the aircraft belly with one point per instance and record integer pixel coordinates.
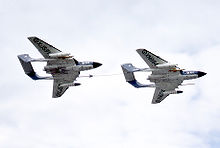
(85, 67)
(79, 67)
(189, 77)
(162, 78)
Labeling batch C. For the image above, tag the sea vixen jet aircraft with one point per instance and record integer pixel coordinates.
(62, 66)
(165, 76)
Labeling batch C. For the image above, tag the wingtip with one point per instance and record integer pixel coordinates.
(31, 37)
(154, 102)
(140, 49)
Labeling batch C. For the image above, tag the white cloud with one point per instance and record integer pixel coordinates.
(106, 111)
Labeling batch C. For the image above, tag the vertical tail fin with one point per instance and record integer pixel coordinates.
(128, 70)
(25, 61)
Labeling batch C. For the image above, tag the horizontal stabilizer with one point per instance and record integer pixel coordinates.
(136, 84)
(25, 58)
(25, 61)
(128, 70)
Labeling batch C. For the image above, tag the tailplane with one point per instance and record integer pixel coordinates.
(25, 61)
(128, 70)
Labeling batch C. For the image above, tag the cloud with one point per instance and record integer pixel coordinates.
(106, 111)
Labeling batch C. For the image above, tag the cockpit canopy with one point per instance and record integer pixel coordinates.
(188, 72)
(85, 63)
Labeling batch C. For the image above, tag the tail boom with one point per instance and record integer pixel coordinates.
(25, 61)
(128, 70)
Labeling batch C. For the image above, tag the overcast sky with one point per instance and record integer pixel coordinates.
(107, 111)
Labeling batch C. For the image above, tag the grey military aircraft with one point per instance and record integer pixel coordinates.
(166, 77)
(62, 66)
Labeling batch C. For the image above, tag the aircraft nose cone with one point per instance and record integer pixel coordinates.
(96, 64)
(200, 74)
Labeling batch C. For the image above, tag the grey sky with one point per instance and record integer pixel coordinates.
(106, 111)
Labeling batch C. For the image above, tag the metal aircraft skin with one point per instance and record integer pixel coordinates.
(62, 66)
(166, 77)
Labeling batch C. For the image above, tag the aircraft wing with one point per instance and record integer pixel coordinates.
(161, 88)
(62, 79)
(158, 96)
(44, 48)
(151, 59)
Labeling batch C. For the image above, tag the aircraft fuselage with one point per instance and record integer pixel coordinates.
(65, 67)
(169, 77)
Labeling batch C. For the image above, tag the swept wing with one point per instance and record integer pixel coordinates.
(151, 59)
(160, 67)
(61, 82)
(43, 47)
(163, 89)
